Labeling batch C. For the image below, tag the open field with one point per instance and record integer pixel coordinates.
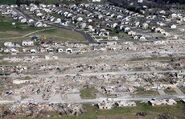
(7, 30)
(7, 1)
(22, 32)
(140, 91)
(88, 93)
(3, 63)
(51, 33)
(13, 32)
(61, 35)
(19, 32)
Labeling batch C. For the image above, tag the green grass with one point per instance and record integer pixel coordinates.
(7, 1)
(27, 78)
(62, 35)
(129, 112)
(93, 112)
(88, 93)
(7, 26)
(17, 32)
(2, 63)
(9, 31)
(141, 107)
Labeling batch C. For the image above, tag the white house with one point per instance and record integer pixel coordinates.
(83, 25)
(91, 29)
(106, 104)
(125, 104)
(23, 20)
(60, 50)
(6, 51)
(136, 37)
(27, 43)
(140, 1)
(38, 24)
(9, 44)
(33, 51)
(142, 38)
(13, 50)
(20, 81)
(137, 24)
(69, 50)
(58, 20)
(30, 21)
(173, 26)
(114, 25)
(80, 19)
(155, 102)
(127, 29)
(96, 0)
(174, 15)
(131, 33)
(145, 26)
(39, 14)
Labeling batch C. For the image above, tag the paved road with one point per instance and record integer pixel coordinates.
(82, 101)
(94, 54)
(178, 91)
(161, 92)
(97, 73)
(19, 11)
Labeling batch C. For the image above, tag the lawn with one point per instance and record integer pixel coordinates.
(19, 32)
(13, 32)
(2, 63)
(129, 113)
(92, 112)
(88, 93)
(7, 1)
(142, 92)
(58, 34)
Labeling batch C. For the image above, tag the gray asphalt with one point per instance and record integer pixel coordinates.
(82, 101)
(97, 73)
